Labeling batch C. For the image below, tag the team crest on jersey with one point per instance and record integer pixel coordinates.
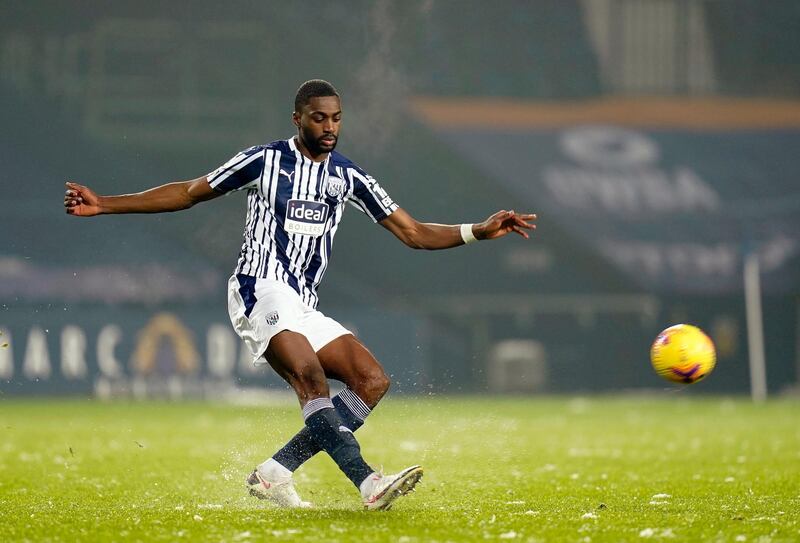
(335, 187)
(306, 217)
(272, 318)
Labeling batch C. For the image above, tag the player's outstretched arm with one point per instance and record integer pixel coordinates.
(419, 235)
(82, 201)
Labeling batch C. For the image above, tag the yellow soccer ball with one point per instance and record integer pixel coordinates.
(683, 354)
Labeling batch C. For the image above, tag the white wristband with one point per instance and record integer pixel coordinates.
(467, 235)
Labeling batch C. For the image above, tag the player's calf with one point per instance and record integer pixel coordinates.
(308, 381)
(292, 357)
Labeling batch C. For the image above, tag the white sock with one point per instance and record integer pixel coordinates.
(271, 470)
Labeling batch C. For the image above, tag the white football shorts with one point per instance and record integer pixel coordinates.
(261, 308)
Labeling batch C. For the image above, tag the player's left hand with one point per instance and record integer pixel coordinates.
(504, 222)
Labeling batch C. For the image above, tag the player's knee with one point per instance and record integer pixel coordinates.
(382, 382)
(375, 385)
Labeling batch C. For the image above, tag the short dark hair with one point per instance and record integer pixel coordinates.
(313, 89)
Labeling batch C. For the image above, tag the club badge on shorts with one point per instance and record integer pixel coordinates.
(306, 217)
(272, 318)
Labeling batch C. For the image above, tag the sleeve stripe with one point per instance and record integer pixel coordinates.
(365, 195)
(228, 166)
(378, 198)
(229, 169)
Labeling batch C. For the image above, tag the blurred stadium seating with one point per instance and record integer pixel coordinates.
(557, 106)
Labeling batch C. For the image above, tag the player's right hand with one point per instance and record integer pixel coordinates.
(81, 201)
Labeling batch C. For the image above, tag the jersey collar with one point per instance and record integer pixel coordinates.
(293, 147)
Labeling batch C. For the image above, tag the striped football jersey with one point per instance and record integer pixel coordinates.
(294, 206)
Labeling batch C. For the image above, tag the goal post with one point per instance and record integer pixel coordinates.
(755, 327)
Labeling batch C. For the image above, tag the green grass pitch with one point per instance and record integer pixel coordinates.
(553, 469)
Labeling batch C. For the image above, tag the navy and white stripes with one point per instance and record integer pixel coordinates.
(317, 404)
(350, 399)
(240, 172)
(294, 207)
(355, 404)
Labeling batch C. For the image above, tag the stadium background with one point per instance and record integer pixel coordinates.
(657, 140)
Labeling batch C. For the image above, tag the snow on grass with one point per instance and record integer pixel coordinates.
(656, 533)
(498, 468)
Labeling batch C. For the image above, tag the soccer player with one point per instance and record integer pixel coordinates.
(296, 194)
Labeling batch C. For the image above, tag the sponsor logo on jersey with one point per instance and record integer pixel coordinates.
(272, 318)
(306, 217)
(335, 187)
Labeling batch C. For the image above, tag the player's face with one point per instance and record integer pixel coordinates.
(319, 124)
